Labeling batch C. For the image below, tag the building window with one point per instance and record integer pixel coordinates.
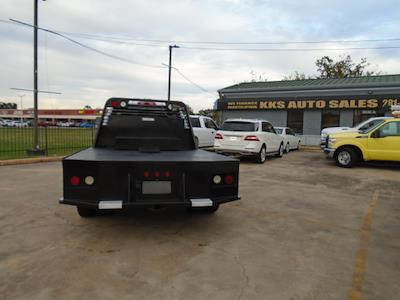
(362, 115)
(295, 120)
(330, 118)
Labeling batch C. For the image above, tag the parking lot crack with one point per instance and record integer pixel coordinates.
(245, 276)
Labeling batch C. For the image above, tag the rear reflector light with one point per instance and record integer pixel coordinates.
(218, 136)
(115, 103)
(89, 180)
(251, 138)
(157, 174)
(228, 179)
(75, 180)
(146, 103)
(217, 179)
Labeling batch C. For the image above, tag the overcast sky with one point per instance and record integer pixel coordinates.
(88, 78)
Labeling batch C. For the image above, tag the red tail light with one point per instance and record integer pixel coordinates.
(115, 103)
(251, 138)
(229, 179)
(218, 136)
(75, 180)
(157, 174)
(167, 174)
(146, 174)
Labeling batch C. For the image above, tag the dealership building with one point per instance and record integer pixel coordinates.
(308, 106)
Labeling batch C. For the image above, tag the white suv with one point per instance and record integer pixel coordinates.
(248, 137)
(204, 129)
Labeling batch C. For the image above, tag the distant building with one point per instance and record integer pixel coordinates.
(53, 115)
(310, 105)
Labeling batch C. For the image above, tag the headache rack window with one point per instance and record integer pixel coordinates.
(146, 130)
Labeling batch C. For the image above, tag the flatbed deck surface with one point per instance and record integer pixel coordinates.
(103, 154)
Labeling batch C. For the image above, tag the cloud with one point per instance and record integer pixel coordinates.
(85, 77)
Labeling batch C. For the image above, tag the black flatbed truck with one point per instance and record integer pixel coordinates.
(144, 154)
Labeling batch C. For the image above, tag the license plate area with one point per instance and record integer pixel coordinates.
(156, 187)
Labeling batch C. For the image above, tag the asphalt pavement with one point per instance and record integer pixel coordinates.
(304, 229)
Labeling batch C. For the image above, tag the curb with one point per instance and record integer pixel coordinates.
(25, 161)
(311, 149)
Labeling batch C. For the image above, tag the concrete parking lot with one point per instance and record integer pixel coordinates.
(304, 229)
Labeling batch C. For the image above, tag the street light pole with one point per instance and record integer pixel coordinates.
(169, 70)
(22, 108)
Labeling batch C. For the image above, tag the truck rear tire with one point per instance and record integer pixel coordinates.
(85, 212)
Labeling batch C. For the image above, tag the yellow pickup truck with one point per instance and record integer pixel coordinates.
(381, 143)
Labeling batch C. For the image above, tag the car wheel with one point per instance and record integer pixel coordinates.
(346, 157)
(287, 148)
(280, 151)
(262, 155)
(85, 212)
(196, 141)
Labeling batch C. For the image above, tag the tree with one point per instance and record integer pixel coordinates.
(4, 105)
(344, 67)
(296, 76)
(211, 113)
(257, 77)
(189, 109)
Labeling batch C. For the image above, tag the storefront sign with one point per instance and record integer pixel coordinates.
(309, 104)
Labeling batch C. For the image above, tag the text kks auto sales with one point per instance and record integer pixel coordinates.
(310, 104)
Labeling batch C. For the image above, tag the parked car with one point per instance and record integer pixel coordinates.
(87, 125)
(290, 140)
(204, 130)
(43, 123)
(381, 142)
(64, 124)
(8, 123)
(372, 122)
(257, 138)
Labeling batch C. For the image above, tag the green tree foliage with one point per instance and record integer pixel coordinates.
(211, 113)
(344, 67)
(4, 105)
(296, 76)
(189, 109)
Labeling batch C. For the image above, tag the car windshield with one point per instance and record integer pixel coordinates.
(278, 130)
(239, 126)
(368, 126)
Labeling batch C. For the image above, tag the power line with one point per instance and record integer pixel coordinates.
(88, 47)
(107, 37)
(191, 81)
(290, 49)
(122, 40)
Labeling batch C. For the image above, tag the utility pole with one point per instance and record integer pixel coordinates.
(36, 147)
(169, 70)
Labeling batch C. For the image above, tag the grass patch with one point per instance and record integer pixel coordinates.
(56, 141)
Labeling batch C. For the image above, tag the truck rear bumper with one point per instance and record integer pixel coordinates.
(119, 204)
